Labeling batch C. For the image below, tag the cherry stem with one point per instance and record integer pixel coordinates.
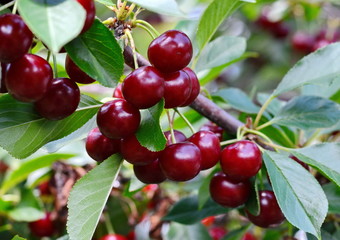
(148, 25)
(192, 129)
(228, 142)
(146, 29)
(171, 127)
(246, 130)
(275, 146)
(312, 138)
(14, 11)
(263, 108)
(108, 224)
(133, 46)
(3, 7)
(48, 55)
(267, 124)
(55, 66)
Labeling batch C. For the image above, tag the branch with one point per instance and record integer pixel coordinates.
(202, 105)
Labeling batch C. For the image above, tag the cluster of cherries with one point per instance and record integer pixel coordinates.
(29, 77)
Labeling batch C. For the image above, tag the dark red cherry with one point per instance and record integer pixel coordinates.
(60, 101)
(3, 88)
(209, 145)
(90, 13)
(217, 233)
(150, 173)
(100, 147)
(281, 30)
(241, 160)
(177, 89)
(43, 227)
(135, 153)
(3, 167)
(118, 119)
(270, 213)
(181, 161)
(75, 73)
(303, 42)
(44, 188)
(113, 237)
(195, 87)
(171, 51)
(117, 93)
(212, 127)
(15, 38)
(227, 192)
(144, 87)
(28, 78)
(179, 137)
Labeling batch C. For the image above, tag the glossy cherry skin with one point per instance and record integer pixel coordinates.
(60, 101)
(270, 213)
(118, 119)
(227, 192)
(144, 87)
(209, 145)
(195, 87)
(212, 127)
(3, 88)
(181, 161)
(75, 73)
(117, 93)
(100, 147)
(135, 153)
(15, 38)
(171, 51)
(28, 78)
(150, 173)
(113, 237)
(179, 137)
(217, 233)
(90, 9)
(177, 89)
(303, 42)
(241, 160)
(43, 227)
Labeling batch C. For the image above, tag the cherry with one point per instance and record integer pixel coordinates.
(144, 87)
(303, 42)
(181, 161)
(117, 93)
(15, 38)
(277, 28)
(28, 78)
(75, 73)
(227, 192)
(135, 153)
(208, 221)
(270, 213)
(150, 173)
(217, 233)
(195, 87)
(3, 88)
(43, 227)
(177, 89)
(60, 101)
(90, 9)
(131, 235)
(100, 147)
(210, 126)
(241, 160)
(248, 236)
(113, 237)
(320, 44)
(171, 51)
(3, 167)
(209, 145)
(179, 137)
(118, 119)
(44, 188)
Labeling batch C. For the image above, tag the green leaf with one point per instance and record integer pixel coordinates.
(167, 7)
(212, 56)
(107, 3)
(319, 67)
(320, 90)
(88, 198)
(332, 192)
(26, 214)
(150, 134)
(98, 53)
(186, 210)
(308, 112)
(16, 237)
(54, 22)
(65, 237)
(237, 234)
(179, 231)
(27, 167)
(204, 190)
(324, 157)
(213, 17)
(238, 100)
(23, 131)
(274, 106)
(304, 207)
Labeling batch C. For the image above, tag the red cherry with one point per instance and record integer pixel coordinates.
(60, 101)
(135, 153)
(195, 87)
(144, 87)
(100, 147)
(113, 237)
(131, 235)
(75, 73)
(270, 213)
(177, 89)
(15, 38)
(212, 127)
(217, 233)
(303, 42)
(117, 93)
(3, 167)
(179, 137)
(241, 160)
(208, 221)
(209, 145)
(228, 193)
(28, 78)
(248, 236)
(90, 9)
(3, 88)
(150, 173)
(43, 227)
(118, 119)
(44, 188)
(171, 51)
(181, 161)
